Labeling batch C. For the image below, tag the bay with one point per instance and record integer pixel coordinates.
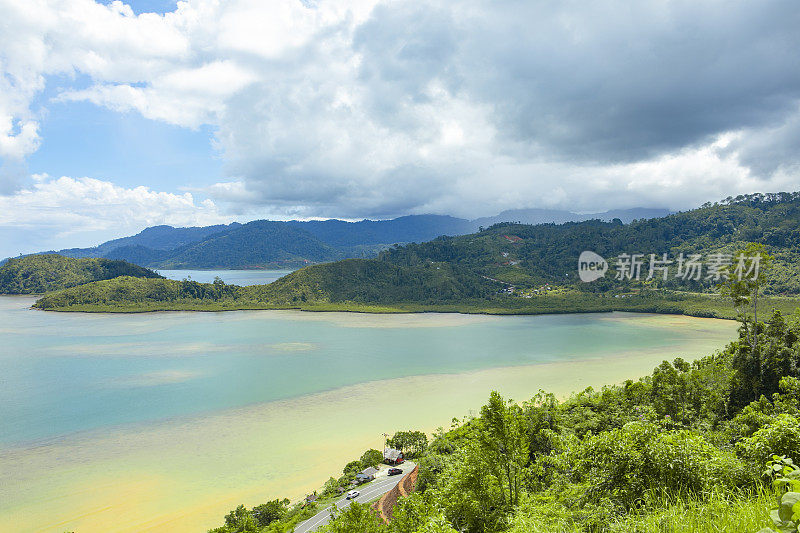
(164, 421)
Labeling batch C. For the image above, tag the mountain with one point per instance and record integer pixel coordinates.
(372, 281)
(531, 255)
(297, 243)
(555, 216)
(154, 238)
(37, 274)
(412, 228)
(476, 272)
(252, 245)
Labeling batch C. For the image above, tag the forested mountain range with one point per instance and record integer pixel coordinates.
(528, 255)
(477, 271)
(297, 243)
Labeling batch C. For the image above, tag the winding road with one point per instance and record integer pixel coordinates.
(369, 492)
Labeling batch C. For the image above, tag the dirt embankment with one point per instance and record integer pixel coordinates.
(385, 506)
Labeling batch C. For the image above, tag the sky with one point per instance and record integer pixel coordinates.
(117, 116)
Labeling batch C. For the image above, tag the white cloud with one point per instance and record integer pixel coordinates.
(377, 108)
(87, 211)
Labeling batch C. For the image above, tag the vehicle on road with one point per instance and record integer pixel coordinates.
(353, 494)
(395, 471)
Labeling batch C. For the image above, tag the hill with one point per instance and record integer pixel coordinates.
(516, 268)
(256, 244)
(155, 238)
(37, 274)
(412, 228)
(529, 256)
(556, 216)
(166, 247)
(369, 281)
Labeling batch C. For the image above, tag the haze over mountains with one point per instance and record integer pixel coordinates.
(271, 244)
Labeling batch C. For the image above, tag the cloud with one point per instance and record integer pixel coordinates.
(373, 108)
(55, 209)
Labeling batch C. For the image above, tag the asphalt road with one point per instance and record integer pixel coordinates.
(369, 492)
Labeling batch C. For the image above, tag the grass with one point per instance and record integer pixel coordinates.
(720, 513)
(717, 513)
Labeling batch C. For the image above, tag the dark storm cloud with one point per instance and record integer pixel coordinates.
(597, 81)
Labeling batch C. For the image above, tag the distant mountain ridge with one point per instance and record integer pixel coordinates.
(555, 216)
(291, 244)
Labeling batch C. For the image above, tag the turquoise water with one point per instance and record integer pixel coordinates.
(62, 373)
(234, 277)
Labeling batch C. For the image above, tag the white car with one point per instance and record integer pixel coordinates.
(353, 494)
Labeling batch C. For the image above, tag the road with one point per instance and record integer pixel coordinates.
(369, 492)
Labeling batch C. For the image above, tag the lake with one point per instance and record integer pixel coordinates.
(234, 277)
(165, 421)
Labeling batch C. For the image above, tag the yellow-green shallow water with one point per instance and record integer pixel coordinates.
(184, 472)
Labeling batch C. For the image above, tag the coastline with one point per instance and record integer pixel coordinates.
(699, 306)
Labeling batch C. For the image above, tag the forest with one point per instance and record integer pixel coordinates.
(507, 268)
(526, 255)
(37, 274)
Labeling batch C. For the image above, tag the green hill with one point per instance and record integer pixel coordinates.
(353, 281)
(37, 274)
(256, 244)
(528, 256)
(472, 273)
(374, 282)
(296, 244)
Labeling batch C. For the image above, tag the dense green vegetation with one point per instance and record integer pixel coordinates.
(255, 244)
(548, 253)
(155, 238)
(681, 450)
(37, 274)
(474, 273)
(368, 286)
(364, 238)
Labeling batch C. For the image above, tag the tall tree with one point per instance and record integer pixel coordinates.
(503, 441)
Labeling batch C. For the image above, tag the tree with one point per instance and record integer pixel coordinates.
(746, 276)
(352, 468)
(240, 520)
(266, 513)
(503, 441)
(356, 518)
(674, 394)
(370, 458)
(411, 443)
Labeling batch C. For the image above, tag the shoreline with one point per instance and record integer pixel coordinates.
(395, 309)
(695, 305)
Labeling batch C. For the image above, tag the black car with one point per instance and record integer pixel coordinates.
(395, 471)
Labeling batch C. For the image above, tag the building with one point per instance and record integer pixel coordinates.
(392, 456)
(368, 474)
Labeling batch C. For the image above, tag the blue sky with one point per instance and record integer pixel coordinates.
(149, 6)
(82, 139)
(116, 116)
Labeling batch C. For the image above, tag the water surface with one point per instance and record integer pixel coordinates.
(233, 277)
(164, 421)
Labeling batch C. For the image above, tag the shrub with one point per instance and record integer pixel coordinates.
(780, 436)
(625, 464)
